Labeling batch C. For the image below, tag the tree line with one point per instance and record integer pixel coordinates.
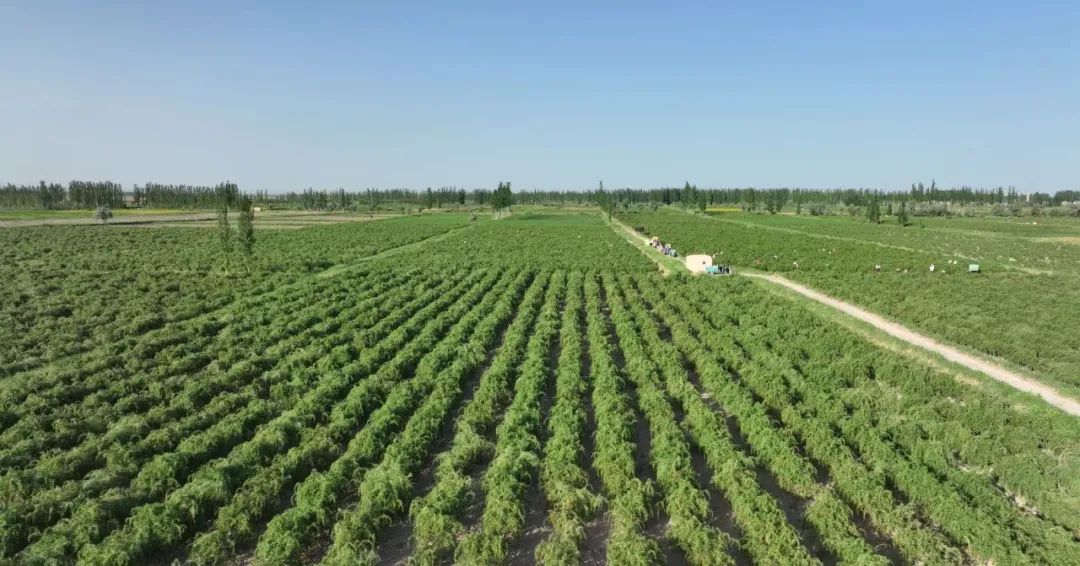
(775, 198)
(92, 194)
(157, 195)
(95, 194)
(372, 199)
(54, 196)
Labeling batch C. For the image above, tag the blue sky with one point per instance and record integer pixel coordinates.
(288, 95)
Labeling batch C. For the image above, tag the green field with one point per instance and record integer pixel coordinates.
(35, 214)
(440, 388)
(1022, 308)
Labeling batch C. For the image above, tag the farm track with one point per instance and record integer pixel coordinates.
(404, 248)
(900, 332)
(991, 370)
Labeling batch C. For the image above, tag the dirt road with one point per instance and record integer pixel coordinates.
(990, 369)
(666, 264)
(895, 330)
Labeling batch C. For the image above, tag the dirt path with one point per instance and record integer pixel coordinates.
(990, 369)
(895, 330)
(641, 242)
(340, 268)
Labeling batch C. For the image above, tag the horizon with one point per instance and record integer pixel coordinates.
(781, 95)
(128, 191)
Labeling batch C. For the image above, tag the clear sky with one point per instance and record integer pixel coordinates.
(544, 94)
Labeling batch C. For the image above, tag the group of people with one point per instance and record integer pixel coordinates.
(666, 249)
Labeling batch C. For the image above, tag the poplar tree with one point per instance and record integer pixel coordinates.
(607, 204)
(502, 200)
(225, 234)
(688, 194)
(873, 212)
(246, 227)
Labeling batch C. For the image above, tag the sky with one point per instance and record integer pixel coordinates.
(551, 95)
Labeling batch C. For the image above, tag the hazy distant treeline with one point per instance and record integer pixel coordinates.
(754, 198)
(688, 195)
(90, 194)
(54, 196)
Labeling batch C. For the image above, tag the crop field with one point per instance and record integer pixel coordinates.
(1021, 309)
(156, 218)
(439, 389)
(65, 289)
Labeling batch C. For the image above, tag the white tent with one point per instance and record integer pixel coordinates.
(698, 262)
